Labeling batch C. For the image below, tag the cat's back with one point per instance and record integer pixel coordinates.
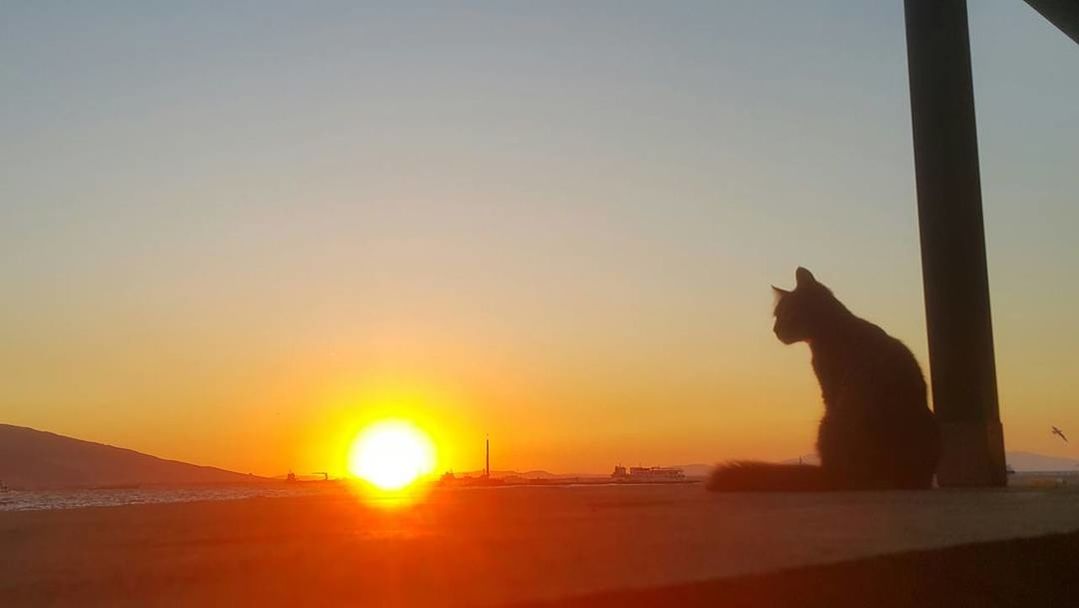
(885, 366)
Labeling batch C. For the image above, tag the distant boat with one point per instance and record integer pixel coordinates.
(293, 478)
(647, 474)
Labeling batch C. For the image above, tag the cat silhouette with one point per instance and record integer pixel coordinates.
(877, 431)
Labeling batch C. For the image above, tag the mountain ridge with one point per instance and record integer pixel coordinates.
(35, 459)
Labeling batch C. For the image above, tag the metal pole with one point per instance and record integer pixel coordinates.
(953, 244)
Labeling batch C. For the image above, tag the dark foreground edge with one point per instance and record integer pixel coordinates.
(1042, 571)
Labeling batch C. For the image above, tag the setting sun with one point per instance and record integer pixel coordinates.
(391, 454)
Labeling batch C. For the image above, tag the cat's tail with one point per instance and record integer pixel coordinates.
(744, 476)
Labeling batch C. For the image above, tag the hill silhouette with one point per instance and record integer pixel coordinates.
(32, 459)
(1029, 461)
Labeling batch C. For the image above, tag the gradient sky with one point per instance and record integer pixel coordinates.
(231, 233)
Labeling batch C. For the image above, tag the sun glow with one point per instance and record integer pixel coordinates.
(391, 454)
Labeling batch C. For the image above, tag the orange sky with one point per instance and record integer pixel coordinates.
(232, 241)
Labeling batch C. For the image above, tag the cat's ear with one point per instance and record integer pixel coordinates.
(777, 295)
(804, 278)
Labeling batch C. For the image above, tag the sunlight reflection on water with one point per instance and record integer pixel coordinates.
(390, 500)
(371, 496)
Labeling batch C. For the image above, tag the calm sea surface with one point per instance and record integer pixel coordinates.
(74, 499)
(37, 500)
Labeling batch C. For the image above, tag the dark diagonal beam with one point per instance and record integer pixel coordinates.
(1062, 13)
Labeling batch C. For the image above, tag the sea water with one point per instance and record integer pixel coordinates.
(36, 500)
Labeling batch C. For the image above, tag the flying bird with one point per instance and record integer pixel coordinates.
(1057, 431)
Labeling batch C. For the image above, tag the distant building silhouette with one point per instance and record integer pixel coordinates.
(647, 474)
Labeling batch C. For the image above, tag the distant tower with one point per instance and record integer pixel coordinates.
(487, 460)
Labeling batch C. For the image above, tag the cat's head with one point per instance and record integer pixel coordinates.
(804, 312)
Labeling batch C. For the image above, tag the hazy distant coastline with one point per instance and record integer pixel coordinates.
(37, 460)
